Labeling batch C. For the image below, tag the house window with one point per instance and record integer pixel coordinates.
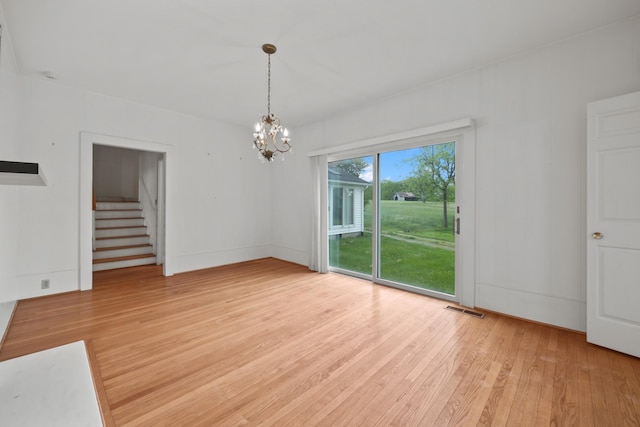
(342, 206)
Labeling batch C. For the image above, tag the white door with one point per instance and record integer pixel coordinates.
(613, 223)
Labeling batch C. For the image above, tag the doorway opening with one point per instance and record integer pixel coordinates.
(116, 177)
(128, 200)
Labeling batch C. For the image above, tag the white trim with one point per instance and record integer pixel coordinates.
(87, 140)
(558, 311)
(377, 140)
(466, 188)
(160, 211)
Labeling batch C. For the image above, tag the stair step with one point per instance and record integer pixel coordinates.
(119, 222)
(122, 262)
(120, 251)
(123, 258)
(113, 214)
(115, 199)
(118, 205)
(121, 247)
(109, 242)
(121, 238)
(120, 231)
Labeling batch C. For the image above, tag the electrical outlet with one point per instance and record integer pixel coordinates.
(44, 284)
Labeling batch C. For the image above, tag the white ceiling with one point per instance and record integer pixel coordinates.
(204, 57)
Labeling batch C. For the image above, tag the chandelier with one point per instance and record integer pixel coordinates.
(268, 130)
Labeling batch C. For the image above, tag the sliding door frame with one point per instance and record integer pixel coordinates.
(463, 133)
(418, 143)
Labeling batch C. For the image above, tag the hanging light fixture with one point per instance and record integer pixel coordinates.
(268, 129)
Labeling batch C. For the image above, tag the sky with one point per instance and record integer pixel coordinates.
(394, 166)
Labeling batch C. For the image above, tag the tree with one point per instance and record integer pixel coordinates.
(353, 166)
(420, 186)
(435, 173)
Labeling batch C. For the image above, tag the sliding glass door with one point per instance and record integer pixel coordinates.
(416, 217)
(392, 217)
(350, 190)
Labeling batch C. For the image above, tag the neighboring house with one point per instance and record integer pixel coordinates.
(406, 196)
(346, 202)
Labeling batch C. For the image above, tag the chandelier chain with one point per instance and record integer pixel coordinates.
(269, 87)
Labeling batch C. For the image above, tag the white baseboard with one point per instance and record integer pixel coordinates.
(59, 282)
(547, 309)
(217, 258)
(292, 255)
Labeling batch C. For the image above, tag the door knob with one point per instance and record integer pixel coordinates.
(597, 235)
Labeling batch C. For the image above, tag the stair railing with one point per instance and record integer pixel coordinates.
(150, 215)
(152, 200)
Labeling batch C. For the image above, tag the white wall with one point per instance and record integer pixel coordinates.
(530, 112)
(10, 196)
(115, 172)
(215, 198)
(214, 174)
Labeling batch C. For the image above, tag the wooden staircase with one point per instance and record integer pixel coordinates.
(121, 236)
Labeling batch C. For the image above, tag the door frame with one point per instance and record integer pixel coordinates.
(160, 218)
(87, 141)
(463, 132)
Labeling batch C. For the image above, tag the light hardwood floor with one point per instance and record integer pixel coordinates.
(271, 343)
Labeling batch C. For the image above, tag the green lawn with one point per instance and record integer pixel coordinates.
(415, 248)
(414, 219)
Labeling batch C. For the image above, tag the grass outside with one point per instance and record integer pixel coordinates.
(415, 248)
(416, 220)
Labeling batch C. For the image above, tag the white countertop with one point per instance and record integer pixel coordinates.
(49, 388)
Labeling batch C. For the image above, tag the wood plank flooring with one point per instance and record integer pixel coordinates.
(270, 343)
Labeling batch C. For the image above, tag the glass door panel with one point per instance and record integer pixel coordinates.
(416, 217)
(350, 214)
